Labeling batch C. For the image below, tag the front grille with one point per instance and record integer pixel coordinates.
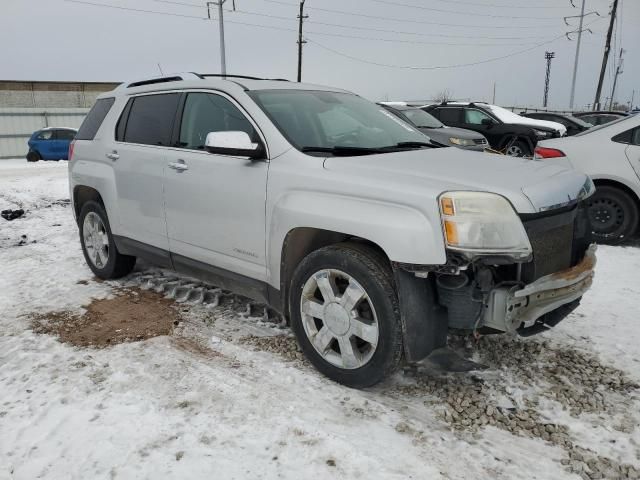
(559, 240)
(480, 141)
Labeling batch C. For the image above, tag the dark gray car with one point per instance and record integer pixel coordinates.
(438, 131)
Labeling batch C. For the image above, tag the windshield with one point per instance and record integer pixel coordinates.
(420, 118)
(318, 120)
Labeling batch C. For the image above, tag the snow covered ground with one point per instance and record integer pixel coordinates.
(558, 407)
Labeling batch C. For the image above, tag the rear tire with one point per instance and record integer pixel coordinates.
(98, 246)
(345, 314)
(33, 156)
(613, 214)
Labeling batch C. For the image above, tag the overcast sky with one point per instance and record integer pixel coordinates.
(60, 40)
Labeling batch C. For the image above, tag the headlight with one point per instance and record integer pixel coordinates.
(542, 134)
(462, 142)
(482, 223)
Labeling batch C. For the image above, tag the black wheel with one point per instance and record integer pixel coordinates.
(518, 149)
(33, 156)
(613, 214)
(345, 314)
(98, 247)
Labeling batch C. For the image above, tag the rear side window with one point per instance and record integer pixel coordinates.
(450, 115)
(151, 118)
(65, 134)
(94, 119)
(624, 137)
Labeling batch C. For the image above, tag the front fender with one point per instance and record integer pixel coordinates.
(405, 234)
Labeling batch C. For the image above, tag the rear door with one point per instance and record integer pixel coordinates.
(215, 204)
(138, 155)
(633, 151)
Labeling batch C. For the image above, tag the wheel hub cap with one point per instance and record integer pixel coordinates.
(96, 240)
(337, 319)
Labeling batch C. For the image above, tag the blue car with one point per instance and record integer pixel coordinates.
(50, 144)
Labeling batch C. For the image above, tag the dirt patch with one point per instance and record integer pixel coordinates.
(132, 315)
(283, 345)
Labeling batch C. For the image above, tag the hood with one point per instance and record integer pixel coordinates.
(508, 116)
(447, 132)
(531, 186)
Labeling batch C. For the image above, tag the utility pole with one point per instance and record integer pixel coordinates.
(301, 18)
(615, 79)
(494, 94)
(223, 55)
(575, 63)
(548, 56)
(605, 58)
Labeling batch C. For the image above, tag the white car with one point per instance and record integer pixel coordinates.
(312, 199)
(610, 155)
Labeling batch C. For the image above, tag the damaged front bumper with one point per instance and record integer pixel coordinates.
(543, 303)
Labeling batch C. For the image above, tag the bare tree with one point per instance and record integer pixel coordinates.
(445, 95)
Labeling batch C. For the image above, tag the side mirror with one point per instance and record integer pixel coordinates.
(487, 121)
(235, 144)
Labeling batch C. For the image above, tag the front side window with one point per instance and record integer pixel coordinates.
(45, 135)
(151, 119)
(207, 112)
(334, 120)
(475, 117)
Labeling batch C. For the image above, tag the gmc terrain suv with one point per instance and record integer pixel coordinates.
(371, 242)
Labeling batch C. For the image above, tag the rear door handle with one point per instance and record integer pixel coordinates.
(113, 155)
(179, 166)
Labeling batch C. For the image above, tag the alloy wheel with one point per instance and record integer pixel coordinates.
(96, 240)
(339, 319)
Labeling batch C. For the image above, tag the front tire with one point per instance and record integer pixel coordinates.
(613, 214)
(345, 314)
(518, 149)
(98, 246)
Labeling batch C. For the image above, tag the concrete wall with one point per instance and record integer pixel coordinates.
(29, 106)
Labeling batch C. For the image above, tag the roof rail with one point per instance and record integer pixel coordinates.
(245, 77)
(163, 79)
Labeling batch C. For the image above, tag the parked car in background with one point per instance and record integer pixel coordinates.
(573, 124)
(506, 131)
(51, 143)
(369, 240)
(599, 118)
(436, 130)
(610, 155)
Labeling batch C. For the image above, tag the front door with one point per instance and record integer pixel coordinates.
(215, 204)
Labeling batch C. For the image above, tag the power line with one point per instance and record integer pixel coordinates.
(457, 12)
(493, 5)
(438, 67)
(383, 30)
(272, 27)
(409, 20)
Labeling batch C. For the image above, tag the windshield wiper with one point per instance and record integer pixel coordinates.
(410, 145)
(343, 151)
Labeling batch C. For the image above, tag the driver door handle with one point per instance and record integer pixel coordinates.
(179, 166)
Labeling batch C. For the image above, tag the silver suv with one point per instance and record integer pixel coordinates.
(371, 242)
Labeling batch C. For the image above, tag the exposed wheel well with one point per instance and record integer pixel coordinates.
(621, 186)
(81, 195)
(299, 243)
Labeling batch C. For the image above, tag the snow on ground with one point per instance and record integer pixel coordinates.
(153, 409)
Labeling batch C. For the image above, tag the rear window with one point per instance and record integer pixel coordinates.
(151, 118)
(94, 119)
